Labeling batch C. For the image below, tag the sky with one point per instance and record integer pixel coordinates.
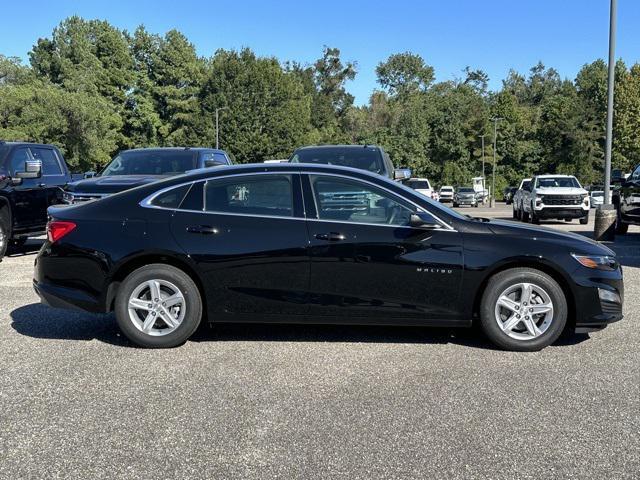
(494, 35)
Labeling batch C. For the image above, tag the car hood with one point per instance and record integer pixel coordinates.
(561, 191)
(577, 243)
(112, 184)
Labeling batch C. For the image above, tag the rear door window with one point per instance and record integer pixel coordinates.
(270, 195)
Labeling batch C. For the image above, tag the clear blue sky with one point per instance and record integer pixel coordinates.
(495, 35)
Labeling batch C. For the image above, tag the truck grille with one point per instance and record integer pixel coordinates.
(562, 199)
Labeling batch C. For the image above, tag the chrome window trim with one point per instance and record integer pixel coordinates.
(146, 202)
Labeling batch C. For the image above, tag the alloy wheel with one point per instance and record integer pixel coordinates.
(156, 307)
(524, 311)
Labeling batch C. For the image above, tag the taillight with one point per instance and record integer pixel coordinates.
(58, 229)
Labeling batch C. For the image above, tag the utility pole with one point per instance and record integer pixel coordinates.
(217, 127)
(495, 121)
(484, 187)
(604, 228)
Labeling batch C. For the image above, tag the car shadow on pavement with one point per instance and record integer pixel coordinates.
(39, 321)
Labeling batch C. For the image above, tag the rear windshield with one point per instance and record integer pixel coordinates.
(555, 182)
(446, 189)
(151, 162)
(364, 158)
(418, 184)
(526, 184)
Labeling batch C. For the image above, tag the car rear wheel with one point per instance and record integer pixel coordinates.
(523, 309)
(158, 306)
(4, 232)
(621, 227)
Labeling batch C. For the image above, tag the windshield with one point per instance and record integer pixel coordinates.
(364, 158)
(151, 162)
(526, 184)
(597, 194)
(558, 182)
(466, 190)
(421, 184)
(446, 189)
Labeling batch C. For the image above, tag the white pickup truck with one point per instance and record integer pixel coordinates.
(553, 197)
(516, 203)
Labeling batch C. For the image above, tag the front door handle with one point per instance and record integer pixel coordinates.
(202, 229)
(330, 237)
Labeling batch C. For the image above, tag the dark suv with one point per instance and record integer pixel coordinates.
(364, 157)
(626, 199)
(132, 168)
(31, 177)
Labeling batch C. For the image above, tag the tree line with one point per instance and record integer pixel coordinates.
(93, 89)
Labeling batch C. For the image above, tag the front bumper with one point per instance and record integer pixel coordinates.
(560, 212)
(593, 295)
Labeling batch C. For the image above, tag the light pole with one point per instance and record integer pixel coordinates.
(495, 121)
(484, 187)
(217, 128)
(604, 225)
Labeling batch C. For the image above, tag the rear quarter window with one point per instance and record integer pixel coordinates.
(171, 198)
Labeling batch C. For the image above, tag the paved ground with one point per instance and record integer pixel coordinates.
(77, 401)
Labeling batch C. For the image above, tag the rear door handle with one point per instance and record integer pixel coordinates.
(330, 237)
(202, 229)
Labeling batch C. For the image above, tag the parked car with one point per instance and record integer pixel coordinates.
(626, 199)
(596, 198)
(465, 196)
(555, 196)
(421, 185)
(31, 177)
(132, 168)
(445, 194)
(317, 244)
(363, 157)
(518, 198)
(508, 194)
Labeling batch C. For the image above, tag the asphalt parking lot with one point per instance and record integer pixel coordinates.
(78, 401)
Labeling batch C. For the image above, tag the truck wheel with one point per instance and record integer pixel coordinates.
(524, 216)
(584, 220)
(568, 220)
(515, 214)
(523, 309)
(534, 218)
(621, 227)
(5, 234)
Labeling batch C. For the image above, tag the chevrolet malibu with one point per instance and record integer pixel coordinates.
(303, 243)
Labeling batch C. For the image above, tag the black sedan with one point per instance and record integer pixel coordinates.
(317, 244)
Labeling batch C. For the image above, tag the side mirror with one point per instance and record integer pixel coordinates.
(32, 169)
(423, 220)
(89, 174)
(401, 174)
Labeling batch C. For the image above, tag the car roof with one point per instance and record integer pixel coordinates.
(161, 149)
(32, 144)
(309, 147)
(551, 175)
(418, 179)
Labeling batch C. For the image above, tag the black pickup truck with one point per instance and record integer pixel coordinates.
(626, 199)
(31, 179)
(136, 167)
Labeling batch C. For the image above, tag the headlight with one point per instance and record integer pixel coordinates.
(597, 262)
(67, 197)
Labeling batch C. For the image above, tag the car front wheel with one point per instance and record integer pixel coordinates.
(4, 232)
(158, 306)
(523, 309)
(584, 220)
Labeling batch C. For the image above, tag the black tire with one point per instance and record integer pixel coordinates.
(524, 216)
(621, 227)
(455, 204)
(498, 284)
(568, 219)
(187, 287)
(5, 232)
(584, 220)
(514, 213)
(533, 217)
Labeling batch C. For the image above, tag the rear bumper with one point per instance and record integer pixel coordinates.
(69, 298)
